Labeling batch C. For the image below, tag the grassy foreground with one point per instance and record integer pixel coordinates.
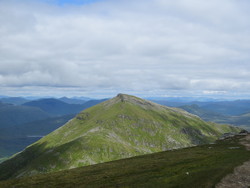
(200, 166)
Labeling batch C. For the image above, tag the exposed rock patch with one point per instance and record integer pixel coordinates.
(240, 178)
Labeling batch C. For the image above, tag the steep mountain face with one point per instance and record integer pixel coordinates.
(121, 127)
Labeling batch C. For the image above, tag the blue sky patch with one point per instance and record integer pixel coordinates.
(72, 2)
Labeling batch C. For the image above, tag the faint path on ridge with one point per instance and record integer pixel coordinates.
(240, 178)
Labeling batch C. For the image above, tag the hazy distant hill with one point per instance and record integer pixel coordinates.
(14, 100)
(20, 126)
(3, 104)
(207, 115)
(15, 138)
(121, 127)
(55, 107)
(92, 103)
(72, 100)
(16, 115)
(231, 108)
(227, 108)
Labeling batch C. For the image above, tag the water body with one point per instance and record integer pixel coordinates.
(34, 136)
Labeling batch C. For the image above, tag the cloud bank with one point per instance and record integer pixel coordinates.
(143, 46)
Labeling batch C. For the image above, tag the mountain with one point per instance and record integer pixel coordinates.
(82, 98)
(227, 108)
(43, 127)
(55, 107)
(14, 100)
(21, 126)
(14, 139)
(3, 104)
(230, 108)
(71, 100)
(121, 127)
(12, 115)
(207, 115)
(91, 103)
(241, 120)
(201, 166)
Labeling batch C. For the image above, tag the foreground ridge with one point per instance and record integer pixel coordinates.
(200, 166)
(240, 178)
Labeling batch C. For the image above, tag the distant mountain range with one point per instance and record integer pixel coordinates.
(55, 107)
(121, 127)
(225, 112)
(72, 100)
(17, 115)
(21, 125)
(15, 138)
(208, 115)
(22, 117)
(229, 108)
(14, 100)
(22, 100)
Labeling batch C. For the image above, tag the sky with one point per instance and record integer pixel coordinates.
(98, 48)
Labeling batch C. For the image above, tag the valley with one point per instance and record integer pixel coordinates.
(21, 118)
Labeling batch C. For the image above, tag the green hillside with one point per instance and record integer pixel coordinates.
(195, 167)
(121, 127)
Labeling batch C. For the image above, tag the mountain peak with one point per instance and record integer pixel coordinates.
(134, 100)
(121, 127)
(124, 97)
(121, 96)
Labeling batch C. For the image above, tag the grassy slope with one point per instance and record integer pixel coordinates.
(109, 131)
(205, 165)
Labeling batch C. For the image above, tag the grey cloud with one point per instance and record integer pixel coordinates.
(140, 46)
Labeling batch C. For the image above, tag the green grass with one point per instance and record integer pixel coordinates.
(112, 130)
(3, 159)
(205, 164)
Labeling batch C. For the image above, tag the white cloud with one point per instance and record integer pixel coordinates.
(140, 46)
